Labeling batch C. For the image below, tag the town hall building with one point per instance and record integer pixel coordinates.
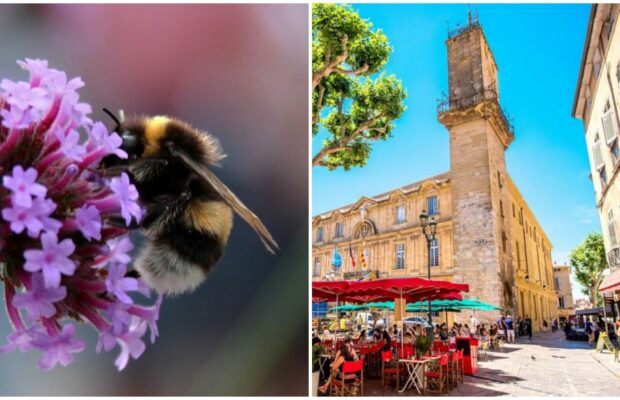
(486, 234)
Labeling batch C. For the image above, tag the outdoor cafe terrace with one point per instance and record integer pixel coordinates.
(418, 362)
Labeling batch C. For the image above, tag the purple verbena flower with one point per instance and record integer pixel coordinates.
(14, 118)
(128, 195)
(109, 141)
(38, 300)
(33, 219)
(131, 344)
(119, 249)
(22, 96)
(58, 348)
(67, 254)
(69, 144)
(117, 284)
(23, 186)
(119, 317)
(38, 70)
(88, 221)
(21, 339)
(53, 259)
(56, 82)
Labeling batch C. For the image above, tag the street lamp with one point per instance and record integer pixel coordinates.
(429, 228)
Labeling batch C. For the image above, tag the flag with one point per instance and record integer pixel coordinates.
(336, 260)
(351, 255)
(362, 259)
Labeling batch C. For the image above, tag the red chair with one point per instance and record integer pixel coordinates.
(455, 368)
(387, 357)
(461, 366)
(437, 377)
(351, 381)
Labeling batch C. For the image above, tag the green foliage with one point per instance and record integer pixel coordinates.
(423, 344)
(589, 263)
(354, 108)
(317, 351)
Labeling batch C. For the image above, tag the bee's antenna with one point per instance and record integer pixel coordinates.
(105, 110)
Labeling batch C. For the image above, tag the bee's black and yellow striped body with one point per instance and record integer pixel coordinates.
(187, 221)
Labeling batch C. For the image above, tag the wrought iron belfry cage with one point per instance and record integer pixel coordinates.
(459, 103)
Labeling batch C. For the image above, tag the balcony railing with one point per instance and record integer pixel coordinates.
(360, 274)
(458, 103)
(472, 24)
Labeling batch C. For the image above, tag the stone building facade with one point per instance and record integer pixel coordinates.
(562, 285)
(597, 104)
(486, 234)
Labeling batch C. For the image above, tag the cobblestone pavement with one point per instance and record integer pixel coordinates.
(548, 365)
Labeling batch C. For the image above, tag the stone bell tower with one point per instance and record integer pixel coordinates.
(479, 135)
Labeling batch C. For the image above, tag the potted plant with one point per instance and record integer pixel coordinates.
(317, 351)
(422, 346)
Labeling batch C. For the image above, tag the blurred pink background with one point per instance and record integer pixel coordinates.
(241, 73)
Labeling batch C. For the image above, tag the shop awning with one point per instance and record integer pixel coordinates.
(611, 282)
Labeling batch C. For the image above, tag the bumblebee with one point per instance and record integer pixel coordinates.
(189, 211)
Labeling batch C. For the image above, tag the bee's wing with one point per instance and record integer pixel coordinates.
(230, 198)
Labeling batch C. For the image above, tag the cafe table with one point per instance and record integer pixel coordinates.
(415, 371)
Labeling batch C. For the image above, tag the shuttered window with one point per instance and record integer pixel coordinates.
(434, 253)
(609, 123)
(597, 153)
(400, 256)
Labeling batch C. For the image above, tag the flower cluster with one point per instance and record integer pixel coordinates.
(63, 255)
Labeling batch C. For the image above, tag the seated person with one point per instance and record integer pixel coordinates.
(443, 334)
(361, 339)
(387, 341)
(408, 339)
(346, 353)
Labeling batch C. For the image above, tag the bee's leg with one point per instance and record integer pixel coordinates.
(132, 274)
(119, 222)
(162, 208)
(144, 167)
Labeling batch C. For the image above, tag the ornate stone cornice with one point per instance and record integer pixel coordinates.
(489, 110)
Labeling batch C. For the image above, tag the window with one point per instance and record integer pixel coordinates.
(561, 301)
(504, 241)
(501, 208)
(400, 214)
(597, 154)
(434, 253)
(613, 149)
(514, 214)
(556, 282)
(431, 205)
(319, 234)
(518, 254)
(339, 229)
(611, 226)
(317, 266)
(400, 256)
(603, 176)
(499, 180)
(609, 124)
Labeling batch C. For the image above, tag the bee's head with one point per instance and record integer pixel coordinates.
(131, 142)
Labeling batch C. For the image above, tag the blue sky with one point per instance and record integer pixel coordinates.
(538, 51)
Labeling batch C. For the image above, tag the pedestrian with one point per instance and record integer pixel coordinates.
(590, 331)
(510, 329)
(545, 325)
(473, 321)
(528, 327)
